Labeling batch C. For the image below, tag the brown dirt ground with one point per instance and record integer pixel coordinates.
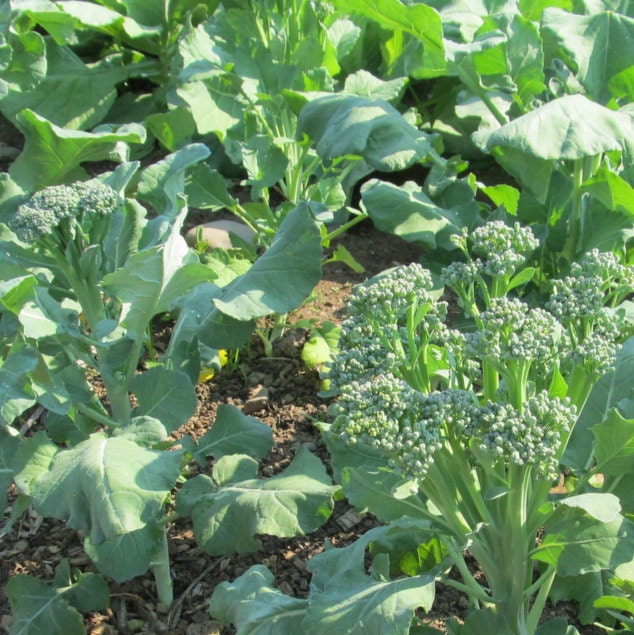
(37, 545)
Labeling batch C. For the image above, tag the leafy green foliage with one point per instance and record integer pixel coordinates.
(298, 102)
(37, 606)
(234, 506)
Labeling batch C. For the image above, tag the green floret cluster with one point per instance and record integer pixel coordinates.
(47, 209)
(394, 322)
(391, 294)
(496, 262)
(511, 330)
(530, 437)
(582, 302)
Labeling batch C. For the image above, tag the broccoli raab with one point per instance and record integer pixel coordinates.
(477, 419)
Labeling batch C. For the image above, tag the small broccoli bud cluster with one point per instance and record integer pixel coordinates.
(502, 248)
(531, 437)
(579, 301)
(392, 319)
(576, 296)
(404, 424)
(46, 209)
(596, 352)
(361, 357)
(500, 251)
(370, 411)
(388, 296)
(511, 330)
(496, 238)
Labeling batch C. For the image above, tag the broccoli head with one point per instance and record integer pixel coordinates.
(47, 210)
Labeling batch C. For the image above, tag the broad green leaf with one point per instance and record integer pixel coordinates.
(532, 9)
(24, 60)
(614, 192)
(127, 555)
(283, 277)
(93, 89)
(227, 517)
(254, 607)
(485, 620)
(605, 395)
(344, 34)
(418, 20)
(604, 229)
(162, 184)
(8, 447)
(173, 129)
(207, 189)
(143, 430)
(364, 84)
(234, 433)
(583, 589)
(201, 327)
(323, 342)
(343, 455)
(265, 162)
(568, 128)
(37, 607)
(153, 279)
(602, 506)
(344, 599)
(44, 316)
(596, 47)
(372, 490)
(408, 212)
(166, 395)
(54, 155)
(340, 125)
(33, 460)
(212, 112)
(86, 592)
(576, 543)
(505, 195)
(16, 393)
(105, 487)
(16, 292)
(614, 446)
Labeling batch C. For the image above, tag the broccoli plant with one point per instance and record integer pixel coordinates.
(464, 432)
(477, 420)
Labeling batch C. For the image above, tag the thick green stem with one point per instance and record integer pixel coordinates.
(576, 213)
(160, 568)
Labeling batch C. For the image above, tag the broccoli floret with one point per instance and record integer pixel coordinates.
(512, 331)
(498, 240)
(66, 225)
(580, 302)
(501, 251)
(531, 437)
(51, 208)
(394, 324)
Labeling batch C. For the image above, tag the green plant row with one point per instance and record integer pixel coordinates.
(451, 433)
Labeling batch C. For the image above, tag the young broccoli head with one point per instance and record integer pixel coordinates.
(532, 437)
(387, 297)
(45, 211)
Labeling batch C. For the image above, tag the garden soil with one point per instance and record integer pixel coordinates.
(283, 393)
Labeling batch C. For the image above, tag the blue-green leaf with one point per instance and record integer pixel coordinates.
(254, 607)
(234, 433)
(229, 515)
(54, 155)
(282, 278)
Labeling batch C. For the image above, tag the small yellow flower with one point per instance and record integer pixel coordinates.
(208, 372)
